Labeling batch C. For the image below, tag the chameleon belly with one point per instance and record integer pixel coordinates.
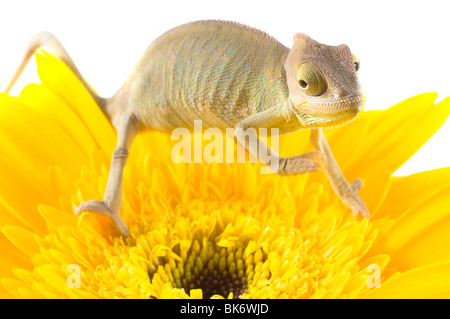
(216, 71)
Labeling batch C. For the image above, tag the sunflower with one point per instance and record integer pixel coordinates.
(214, 230)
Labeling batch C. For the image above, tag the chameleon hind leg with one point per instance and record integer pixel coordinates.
(112, 199)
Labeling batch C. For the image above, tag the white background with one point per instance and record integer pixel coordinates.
(403, 46)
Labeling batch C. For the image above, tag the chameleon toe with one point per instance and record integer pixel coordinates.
(100, 207)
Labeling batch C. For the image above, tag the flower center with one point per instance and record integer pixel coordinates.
(213, 269)
(218, 278)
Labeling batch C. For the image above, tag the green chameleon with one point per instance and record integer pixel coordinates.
(229, 75)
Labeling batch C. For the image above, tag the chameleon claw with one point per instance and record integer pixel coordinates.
(102, 208)
(354, 201)
(357, 184)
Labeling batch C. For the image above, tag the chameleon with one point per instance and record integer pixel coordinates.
(228, 74)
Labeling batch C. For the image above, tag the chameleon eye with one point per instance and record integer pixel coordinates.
(311, 80)
(356, 62)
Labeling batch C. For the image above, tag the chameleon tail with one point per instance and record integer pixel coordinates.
(50, 41)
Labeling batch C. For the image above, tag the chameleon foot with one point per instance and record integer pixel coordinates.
(102, 208)
(354, 201)
(300, 164)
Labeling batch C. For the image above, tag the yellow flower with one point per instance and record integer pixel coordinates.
(214, 230)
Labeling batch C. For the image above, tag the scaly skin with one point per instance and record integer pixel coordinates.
(229, 75)
(219, 72)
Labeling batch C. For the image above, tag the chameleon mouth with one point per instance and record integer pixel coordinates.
(345, 107)
(329, 113)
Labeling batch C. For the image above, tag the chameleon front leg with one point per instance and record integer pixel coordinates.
(348, 193)
(283, 165)
(112, 199)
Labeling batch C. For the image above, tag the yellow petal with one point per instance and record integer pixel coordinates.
(49, 105)
(55, 218)
(398, 134)
(196, 294)
(24, 133)
(58, 77)
(407, 191)
(22, 239)
(431, 281)
(420, 236)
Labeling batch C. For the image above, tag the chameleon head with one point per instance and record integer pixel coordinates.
(323, 84)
